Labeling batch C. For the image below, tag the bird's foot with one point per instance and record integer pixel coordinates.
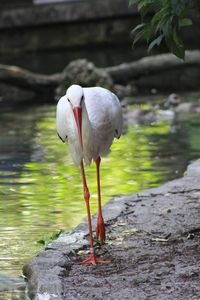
(100, 231)
(94, 260)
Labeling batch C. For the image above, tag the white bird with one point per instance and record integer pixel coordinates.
(89, 119)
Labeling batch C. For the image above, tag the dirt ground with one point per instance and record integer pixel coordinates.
(143, 265)
(162, 272)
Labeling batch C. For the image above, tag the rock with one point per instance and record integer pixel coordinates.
(122, 91)
(45, 271)
(193, 170)
(85, 73)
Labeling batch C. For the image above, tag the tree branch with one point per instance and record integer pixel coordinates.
(125, 72)
(25, 79)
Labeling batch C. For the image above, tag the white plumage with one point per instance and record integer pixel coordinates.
(89, 119)
(101, 121)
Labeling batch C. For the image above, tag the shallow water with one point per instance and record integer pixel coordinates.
(40, 188)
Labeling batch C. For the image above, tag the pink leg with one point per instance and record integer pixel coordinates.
(92, 258)
(100, 231)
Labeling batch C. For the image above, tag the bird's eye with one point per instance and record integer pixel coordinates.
(82, 99)
(68, 100)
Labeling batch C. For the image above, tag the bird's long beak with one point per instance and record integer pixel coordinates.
(78, 118)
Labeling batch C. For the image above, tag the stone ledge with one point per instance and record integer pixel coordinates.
(66, 12)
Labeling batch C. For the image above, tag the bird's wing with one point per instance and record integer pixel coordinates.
(105, 116)
(62, 118)
(104, 110)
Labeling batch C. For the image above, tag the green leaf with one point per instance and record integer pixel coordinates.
(178, 7)
(142, 4)
(157, 42)
(178, 51)
(176, 45)
(157, 5)
(168, 17)
(50, 237)
(156, 18)
(147, 33)
(185, 22)
(167, 29)
(145, 10)
(132, 2)
(138, 27)
(176, 38)
(138, 36)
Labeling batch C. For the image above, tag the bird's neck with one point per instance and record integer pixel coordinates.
(86, 124)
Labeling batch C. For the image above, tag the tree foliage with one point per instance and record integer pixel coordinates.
(167, 19)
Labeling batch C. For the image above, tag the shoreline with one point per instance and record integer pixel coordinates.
(153, 244)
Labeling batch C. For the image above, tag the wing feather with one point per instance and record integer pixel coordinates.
(62, 114)
(105, 115)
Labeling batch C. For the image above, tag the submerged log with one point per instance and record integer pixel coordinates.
(163, 72)
(151, 65)
(25, 79)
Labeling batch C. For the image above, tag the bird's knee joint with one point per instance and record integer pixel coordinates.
(100, 220)
(86, 194)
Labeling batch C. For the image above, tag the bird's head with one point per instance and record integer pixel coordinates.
(75, 97)
(172, 101)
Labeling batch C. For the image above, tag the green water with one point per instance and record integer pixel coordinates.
(40, 188)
